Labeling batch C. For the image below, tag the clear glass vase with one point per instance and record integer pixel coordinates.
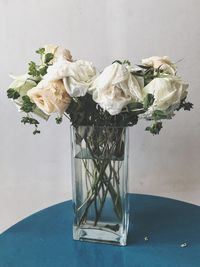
(100, 176)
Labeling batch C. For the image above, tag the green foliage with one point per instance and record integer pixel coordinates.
(43, 70)
(37, 71)
(122, 62)
(148, 73)
(159, 115)
(148, 101)
(134, 106)
(185, 105)
(117, 61)
(126, 61)
(31, 121)
(84, 111)
(12, 93)
(155, 128)
(48, 57)
(144, 67)
(36, 132)
(40, 70)
(40, 51)
(58, 120)
(33, 69)
(27, 105)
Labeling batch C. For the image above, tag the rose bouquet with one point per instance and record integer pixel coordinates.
(100, 106)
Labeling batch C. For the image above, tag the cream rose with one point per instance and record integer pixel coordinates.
(164, 63)
(50, 96)
(77, 76)
(168, 93)
(115, 87)
(58, 52)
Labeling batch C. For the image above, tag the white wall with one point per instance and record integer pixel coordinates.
(35, 171)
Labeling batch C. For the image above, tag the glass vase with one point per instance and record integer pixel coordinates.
(99, 182)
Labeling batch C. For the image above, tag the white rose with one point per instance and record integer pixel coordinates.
(168, 93)
(58, 52)
(164, 63)
(80, 78)
(22, 84)
(77, 76)
(50, 96)
(115, 87)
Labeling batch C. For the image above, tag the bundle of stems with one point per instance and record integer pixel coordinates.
(102, 151)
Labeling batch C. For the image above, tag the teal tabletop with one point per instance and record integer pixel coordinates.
(163, 233)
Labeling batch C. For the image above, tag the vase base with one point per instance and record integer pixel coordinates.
(100, 234)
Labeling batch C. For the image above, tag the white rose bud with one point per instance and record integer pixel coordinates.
(116, 87)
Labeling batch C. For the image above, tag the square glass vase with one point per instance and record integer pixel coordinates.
(99, 182)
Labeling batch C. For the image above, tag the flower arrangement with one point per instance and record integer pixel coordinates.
(117, 96)
(100, 106)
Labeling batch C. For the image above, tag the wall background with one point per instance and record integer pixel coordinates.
(35, 171)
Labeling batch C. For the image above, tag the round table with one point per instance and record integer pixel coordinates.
(45, 239)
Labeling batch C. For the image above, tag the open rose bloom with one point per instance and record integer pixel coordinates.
(118, 95)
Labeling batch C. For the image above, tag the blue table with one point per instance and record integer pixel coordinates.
(45, 238)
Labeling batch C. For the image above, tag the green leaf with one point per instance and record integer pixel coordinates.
(148, 101)
(36, 132)
(134, 105)
(12, 93)
(117, 61)
(188, 106)
(32, 70)
(29, 120)
(27, 105)
(40, 51)
(48, 57)
(159, 115)
(58, 120)
(127, 62)
(154, 128)
(185, 105)
(144, 67)
(43, 70)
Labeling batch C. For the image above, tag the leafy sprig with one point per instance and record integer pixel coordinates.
(27, 105)
(40, 51)
(185, 105)
(40, 70)
(31, 121)
(155, 127)
(59, 119)
(33, 69)
(12, 93)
